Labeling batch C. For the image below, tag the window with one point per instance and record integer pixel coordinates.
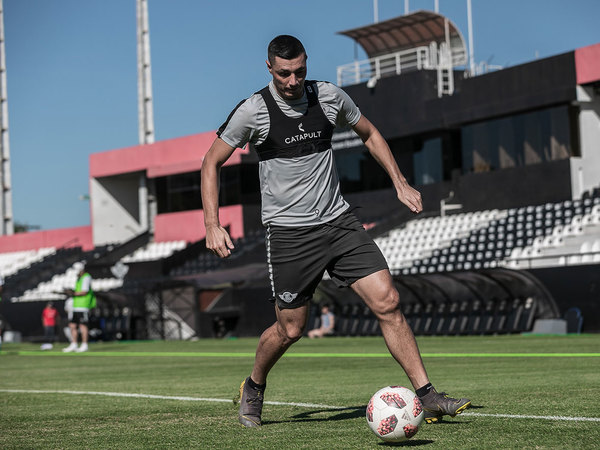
(182, 191)
(519, 140)
(358, 171)
(428, 162)
(179, 192)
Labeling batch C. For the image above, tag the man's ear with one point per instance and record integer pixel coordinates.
(269, 66)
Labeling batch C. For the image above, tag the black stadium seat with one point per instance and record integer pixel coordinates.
(474, 318)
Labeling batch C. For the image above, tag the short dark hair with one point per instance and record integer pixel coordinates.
(286, 47)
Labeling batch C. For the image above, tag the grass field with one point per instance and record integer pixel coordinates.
(527, 392)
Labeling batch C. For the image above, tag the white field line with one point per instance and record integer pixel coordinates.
(162, 397)
(303, 405)
(524, 416)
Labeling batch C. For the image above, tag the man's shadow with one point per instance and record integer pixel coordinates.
(350, 412)
(354, 412)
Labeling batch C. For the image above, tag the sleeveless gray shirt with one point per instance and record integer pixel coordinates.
(296, 191)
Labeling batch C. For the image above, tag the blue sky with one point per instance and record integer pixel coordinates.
(72, 81)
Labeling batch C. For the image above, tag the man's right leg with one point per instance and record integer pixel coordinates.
(276, 339)
(73, 345)
(273, 343)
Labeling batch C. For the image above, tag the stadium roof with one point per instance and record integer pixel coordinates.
(400, 33)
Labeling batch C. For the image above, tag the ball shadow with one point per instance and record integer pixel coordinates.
(409, 443)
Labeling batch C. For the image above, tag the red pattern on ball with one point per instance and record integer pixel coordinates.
(393, 399)
(418, 407)
(410, 430)
(370, 411)
(387, 425)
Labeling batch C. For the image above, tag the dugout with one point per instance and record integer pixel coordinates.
(496, 301)
(231, 302)
(234, 303)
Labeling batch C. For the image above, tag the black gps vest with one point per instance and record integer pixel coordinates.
(293, 137)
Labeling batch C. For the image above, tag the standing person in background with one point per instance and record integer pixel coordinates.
(327, 324)
(1, 285)
(49, 316)
(83, 300)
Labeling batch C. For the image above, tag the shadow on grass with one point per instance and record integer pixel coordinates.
(410, 443)
(351, 412)
(348, 413)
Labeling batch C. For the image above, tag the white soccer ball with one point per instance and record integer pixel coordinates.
(394, 413)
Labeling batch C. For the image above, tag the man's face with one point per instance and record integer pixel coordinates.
(289, 76)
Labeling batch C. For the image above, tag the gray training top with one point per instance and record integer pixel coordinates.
(295, 191)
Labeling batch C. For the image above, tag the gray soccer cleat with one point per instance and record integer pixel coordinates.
(251, 403)
(437, 404)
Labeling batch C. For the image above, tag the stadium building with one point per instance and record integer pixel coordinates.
(507, 161)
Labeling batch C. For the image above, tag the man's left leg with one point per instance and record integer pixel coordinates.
(73, 345)
(378, 292)
(83, 328)
(380, 295)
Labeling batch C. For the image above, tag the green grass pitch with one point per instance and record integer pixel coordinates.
(527, 392)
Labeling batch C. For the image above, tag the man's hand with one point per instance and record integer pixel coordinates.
(218, 241)
(68, 292)
(410, 197)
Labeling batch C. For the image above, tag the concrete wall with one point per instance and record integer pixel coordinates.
(189, 225)
(115, 208)
(585, 170)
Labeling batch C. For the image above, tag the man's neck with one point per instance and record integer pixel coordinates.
(295, 101)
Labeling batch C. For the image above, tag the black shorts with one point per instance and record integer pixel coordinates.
(298, 257)
(79, 317)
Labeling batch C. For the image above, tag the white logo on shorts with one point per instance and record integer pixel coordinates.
(301, 127)
(288, 297)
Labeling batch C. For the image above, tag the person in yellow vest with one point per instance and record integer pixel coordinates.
(83, 300)
(1, 284)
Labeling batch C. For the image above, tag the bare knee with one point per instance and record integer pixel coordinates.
(291, 332)
(387, 303)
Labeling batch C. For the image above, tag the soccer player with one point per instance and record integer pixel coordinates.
(309, 228)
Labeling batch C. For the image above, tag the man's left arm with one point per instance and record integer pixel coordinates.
(380, 150)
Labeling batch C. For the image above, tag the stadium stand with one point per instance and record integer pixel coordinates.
(154, 251)
(11, 263)
(553, 234)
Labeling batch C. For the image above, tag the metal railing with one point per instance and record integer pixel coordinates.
(385, 65)
(418, 58)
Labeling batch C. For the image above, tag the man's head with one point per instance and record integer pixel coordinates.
(79, 267)
(287, 65)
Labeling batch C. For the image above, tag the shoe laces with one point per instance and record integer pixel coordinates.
(258, 398)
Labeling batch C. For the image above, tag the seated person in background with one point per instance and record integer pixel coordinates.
(327, 324)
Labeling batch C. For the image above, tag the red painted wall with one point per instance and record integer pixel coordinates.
(189, 225)
(180, 155)
(587, 64)
(33, 240)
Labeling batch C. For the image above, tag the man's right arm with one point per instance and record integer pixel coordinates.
(217, 238)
